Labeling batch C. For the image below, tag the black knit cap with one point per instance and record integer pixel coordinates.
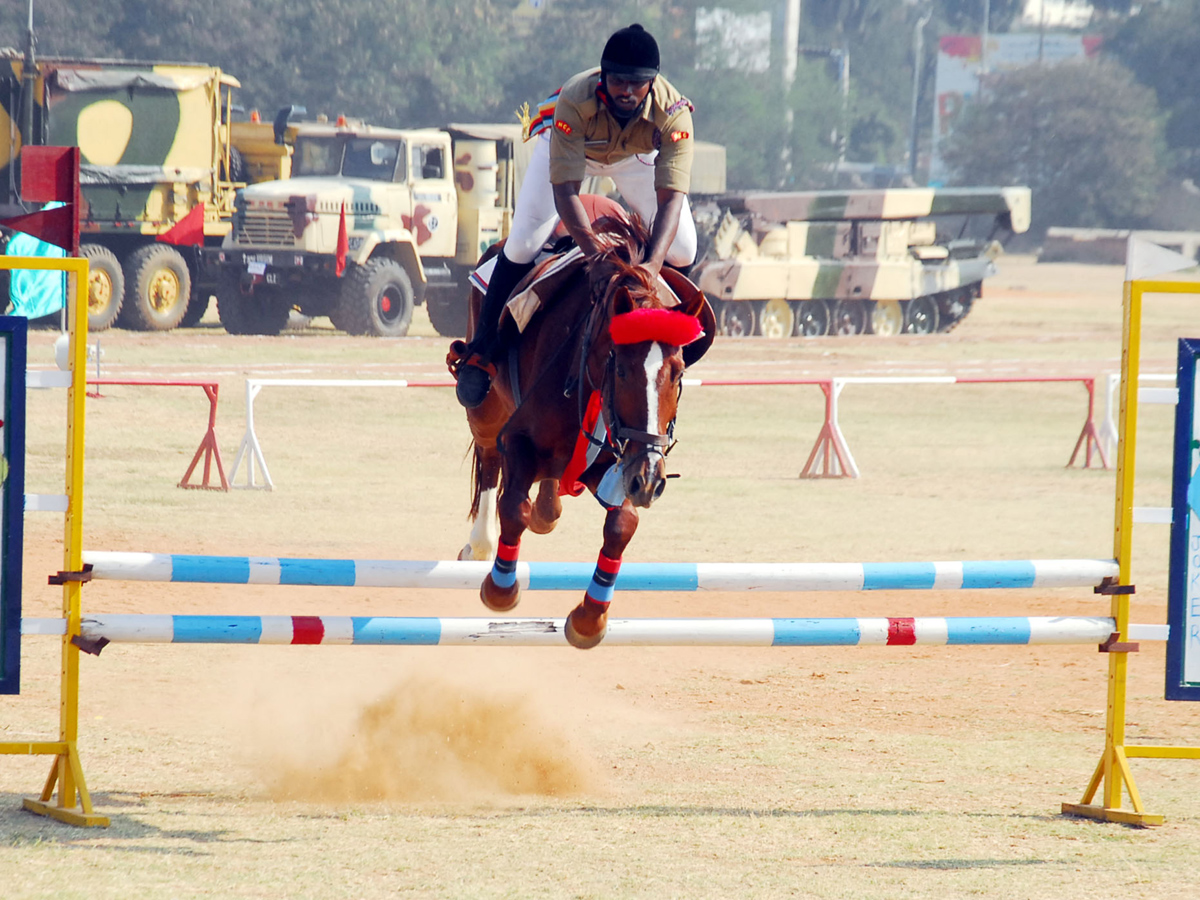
(632, 53)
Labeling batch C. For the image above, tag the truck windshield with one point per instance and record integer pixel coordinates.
(351, 157)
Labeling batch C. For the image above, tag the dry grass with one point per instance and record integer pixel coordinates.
(623, 772)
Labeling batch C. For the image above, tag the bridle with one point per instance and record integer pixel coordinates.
(616, 434)
(619, 435)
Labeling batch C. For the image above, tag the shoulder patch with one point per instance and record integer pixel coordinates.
(681, 103)
(677, 136)
(563, 127)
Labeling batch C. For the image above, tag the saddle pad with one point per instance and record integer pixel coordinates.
(544, 281)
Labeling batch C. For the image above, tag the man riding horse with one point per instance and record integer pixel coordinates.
(621, 120)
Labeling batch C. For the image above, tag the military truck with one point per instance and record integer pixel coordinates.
(156, 144)
(885, 262)
(371, 222)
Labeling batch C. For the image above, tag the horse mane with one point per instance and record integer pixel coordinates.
(624, 248)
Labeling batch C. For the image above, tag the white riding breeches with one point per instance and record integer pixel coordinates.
(536, 217)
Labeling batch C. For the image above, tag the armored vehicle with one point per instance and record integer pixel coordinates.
(372, 221)
(884, 262)
(156, 151)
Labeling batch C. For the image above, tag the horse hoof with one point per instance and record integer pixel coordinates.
(538, 525)
(470, 554)
(499, 599)
(583, 629)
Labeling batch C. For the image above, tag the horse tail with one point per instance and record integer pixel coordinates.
(476, 481)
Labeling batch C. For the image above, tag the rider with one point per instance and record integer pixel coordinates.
(621, 120)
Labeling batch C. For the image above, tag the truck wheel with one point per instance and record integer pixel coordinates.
(922, 315)
(376, 299)
(196, 307)
(953, 307)
(849, 317)
(448, 312)
(887, 318)
(106, 286)
(812, 318)
(265, 311)
(737, 318)
(776, 319)
(157, 288)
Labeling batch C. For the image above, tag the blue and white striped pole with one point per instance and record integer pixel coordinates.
(435, 631)
(569, 576)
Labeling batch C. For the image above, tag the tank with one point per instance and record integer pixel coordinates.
(884, 262)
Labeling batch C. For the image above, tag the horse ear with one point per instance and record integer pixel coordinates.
(708, 321)
(693, 302)
(622, 302)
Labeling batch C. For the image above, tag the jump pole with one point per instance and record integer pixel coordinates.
(574, 576)
(99, 630)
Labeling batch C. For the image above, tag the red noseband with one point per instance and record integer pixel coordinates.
(666, 326)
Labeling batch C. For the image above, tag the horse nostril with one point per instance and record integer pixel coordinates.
(636, 484)
(659, 488)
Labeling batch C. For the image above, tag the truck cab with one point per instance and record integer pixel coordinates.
(370, 220)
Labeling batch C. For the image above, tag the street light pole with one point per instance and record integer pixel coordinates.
(791, 49)
(918, 60)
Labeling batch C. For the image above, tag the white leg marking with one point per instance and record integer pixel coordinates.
(485, 532)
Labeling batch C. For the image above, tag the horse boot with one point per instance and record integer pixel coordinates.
(474, 375)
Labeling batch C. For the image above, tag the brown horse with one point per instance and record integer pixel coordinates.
(587, 399)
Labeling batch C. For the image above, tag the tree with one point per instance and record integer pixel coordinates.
(1161, 45)
(1083, 135)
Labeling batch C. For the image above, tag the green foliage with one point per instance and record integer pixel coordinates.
(1161, 46)
(966, 16)
(427, 62)
(1083, 135)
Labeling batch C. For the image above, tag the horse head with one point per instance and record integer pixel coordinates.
(644, 371)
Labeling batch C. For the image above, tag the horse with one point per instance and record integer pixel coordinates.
(586, 400)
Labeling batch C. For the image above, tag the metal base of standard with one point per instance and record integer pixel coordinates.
(1104, 814)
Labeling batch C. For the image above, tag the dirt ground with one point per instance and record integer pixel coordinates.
(331, 772)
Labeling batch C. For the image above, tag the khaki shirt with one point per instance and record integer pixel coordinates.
(584, 129)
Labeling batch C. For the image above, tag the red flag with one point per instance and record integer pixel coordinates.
(188, 231)
(54, 226)
(343, 243)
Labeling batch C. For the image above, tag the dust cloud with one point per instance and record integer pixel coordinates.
(430, 740)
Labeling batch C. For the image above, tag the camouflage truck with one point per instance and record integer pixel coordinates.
(371, 222)
(909, 260)
(155, 142)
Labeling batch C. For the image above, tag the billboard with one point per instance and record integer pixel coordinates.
(961, 62)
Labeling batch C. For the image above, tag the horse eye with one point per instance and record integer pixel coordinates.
(621, 373)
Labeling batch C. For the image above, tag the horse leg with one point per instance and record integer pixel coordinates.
(482, 542)
(588, 621)
(546, 508)
(500, 590)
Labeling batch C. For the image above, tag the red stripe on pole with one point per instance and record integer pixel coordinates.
(307, 630)
(902, 632)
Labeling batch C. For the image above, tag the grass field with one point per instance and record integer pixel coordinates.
(331, 772)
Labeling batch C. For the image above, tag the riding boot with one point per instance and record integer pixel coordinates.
(474, 381)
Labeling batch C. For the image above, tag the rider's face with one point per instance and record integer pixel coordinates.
(626, 93)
